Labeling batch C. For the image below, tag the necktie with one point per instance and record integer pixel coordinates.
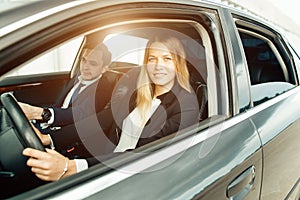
(76, 92)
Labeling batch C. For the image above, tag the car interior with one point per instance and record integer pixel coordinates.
(193, 44)
(269, 74)
(263, 64)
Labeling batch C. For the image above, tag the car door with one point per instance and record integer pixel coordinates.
(275, 95)
(220, 157)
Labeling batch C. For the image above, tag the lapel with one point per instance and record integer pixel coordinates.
(64, 93)
(161, 114)
(89, 91)
(93, 90)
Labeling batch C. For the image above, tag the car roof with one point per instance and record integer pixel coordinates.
(41, 13)
(10, 5)
(15, 11)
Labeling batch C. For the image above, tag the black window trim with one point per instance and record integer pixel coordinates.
(273, 48)
(271, 32)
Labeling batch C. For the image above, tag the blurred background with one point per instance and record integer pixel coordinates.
(283, 13)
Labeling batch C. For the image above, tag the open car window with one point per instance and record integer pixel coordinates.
(128, 46)
(201, 40)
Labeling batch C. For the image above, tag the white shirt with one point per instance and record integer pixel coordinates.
(67, 100)
(133, 126)
(81, 164)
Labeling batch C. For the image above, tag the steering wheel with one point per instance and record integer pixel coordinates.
(16, 134)
(20, 122)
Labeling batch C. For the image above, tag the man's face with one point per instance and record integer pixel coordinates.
(91, 64)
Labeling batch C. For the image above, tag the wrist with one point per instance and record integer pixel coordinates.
(66, 168)
(38, 113)
(45, 115)
(71, 168)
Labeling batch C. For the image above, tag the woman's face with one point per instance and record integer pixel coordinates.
(161, 66)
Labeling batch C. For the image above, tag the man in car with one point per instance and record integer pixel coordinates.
(85, 95)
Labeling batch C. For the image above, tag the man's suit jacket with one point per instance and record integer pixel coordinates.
(92, 129)
(90, 101)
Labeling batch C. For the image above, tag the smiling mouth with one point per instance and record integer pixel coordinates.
(158, 75)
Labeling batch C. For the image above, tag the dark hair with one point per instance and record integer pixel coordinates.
(106, 54)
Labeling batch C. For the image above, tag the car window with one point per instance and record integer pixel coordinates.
(128, 45)
(59, 59)
(270, 73)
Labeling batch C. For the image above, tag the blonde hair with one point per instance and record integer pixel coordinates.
(145, 90)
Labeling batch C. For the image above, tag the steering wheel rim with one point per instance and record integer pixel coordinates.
(16, 134)
(21, 123)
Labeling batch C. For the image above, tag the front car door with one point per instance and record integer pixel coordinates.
(218, 158)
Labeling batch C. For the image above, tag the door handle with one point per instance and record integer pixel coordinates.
(6, 174)
(242, 184)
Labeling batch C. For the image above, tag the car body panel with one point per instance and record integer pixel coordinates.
(280, 145)
(238, 70)
(277, 121)
(191, 173)
(236, 141)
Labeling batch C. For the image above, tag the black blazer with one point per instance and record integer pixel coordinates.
(178, 109)
(76, 131)
(90, 101)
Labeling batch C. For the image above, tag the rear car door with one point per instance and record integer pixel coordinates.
(275, 101)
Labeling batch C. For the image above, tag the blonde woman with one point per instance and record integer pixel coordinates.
(162, 104)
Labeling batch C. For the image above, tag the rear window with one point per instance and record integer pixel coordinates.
(270, 69)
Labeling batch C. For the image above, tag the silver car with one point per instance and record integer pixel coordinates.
(243, 70)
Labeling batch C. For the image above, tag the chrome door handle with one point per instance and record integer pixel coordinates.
(242, 184)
